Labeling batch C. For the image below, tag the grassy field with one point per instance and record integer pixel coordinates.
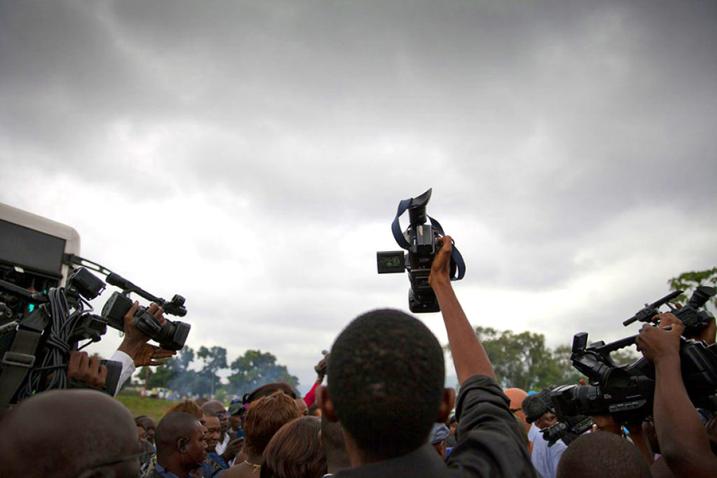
(152, 407)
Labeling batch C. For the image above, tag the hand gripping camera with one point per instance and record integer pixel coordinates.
(420, 240)
(626, 392)
(39, 331)
(171, 335)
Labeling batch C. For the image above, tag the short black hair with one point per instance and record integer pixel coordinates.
(602, 454)
(385, 379)
(535, 406)
(268, 389)
(173, 426)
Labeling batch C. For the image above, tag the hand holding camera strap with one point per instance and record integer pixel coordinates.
(456, 257)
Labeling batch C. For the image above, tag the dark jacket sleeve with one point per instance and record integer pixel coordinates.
(491, 442)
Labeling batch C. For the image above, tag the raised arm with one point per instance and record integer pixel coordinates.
(469, 356)
(683, 440)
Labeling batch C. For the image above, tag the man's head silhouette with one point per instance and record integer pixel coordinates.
(385, 384)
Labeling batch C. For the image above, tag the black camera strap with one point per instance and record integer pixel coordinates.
(456, 256)
(20, 358)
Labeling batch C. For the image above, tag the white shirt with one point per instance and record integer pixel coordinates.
(128, 368)
(223, 445)
(533, 432)
(545, 458)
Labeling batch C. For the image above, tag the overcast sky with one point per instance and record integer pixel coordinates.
(250, 155)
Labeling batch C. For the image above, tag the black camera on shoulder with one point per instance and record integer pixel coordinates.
(420, 240)
(626, 392)
(41, 330)
(171, 335)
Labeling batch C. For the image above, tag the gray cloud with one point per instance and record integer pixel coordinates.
(567, 143)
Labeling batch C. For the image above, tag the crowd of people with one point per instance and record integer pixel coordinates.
(384, 412)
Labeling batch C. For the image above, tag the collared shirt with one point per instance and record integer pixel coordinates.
(213, 465)
(161, 472)
(222, 446)
(491, 442)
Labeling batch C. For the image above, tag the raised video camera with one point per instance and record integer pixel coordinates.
(420, 240)
(171, 335)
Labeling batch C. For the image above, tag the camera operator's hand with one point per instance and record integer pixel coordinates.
(661, 343)
(441, 266)
(683, 441)
(135, 343)
(707, 334)
(88, 370)
(152, 355)
(669, 320)
(606, 423)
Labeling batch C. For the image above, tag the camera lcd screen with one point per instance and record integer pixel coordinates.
(390, 262)
(30, 249)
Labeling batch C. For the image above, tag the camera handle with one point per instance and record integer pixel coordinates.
(456, 256)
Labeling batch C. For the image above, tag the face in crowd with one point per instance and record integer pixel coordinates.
(213, 433)
(216, 409)
(193, 448)
(546, 421)
(149, 428)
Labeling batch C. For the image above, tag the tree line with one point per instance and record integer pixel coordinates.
(520, 359)
(199, 374)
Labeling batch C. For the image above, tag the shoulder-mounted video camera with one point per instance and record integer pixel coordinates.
(40, 330)
(420, 240)
(626, 392)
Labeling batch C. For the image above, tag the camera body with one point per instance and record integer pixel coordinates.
(171, 335)
(420, 240)
(36, 339)
(568, 429)
(626, 392)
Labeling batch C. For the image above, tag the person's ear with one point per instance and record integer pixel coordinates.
(447, 402)
(326, 405)
(182, 444)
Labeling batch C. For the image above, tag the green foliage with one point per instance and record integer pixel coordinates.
(520, 359)
(256, 368)
(523, 360)
(214, 359)
(568, 374)
(154, 408)
(688, 281)
(251, 370)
